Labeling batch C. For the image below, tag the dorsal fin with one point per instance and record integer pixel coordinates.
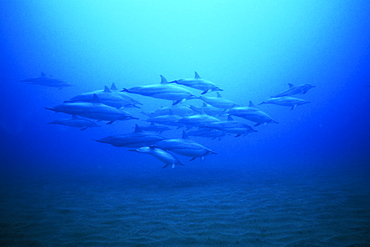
(196, 75)
(113, 87)
(229, 118)
(205, 104)
(152, 123)
(42, 74)
(96, 99)
(219, 95)
(184, 135)
(137, 129)
(74, 117)
(107, 90)
(163, 80)
(251, 104)
(290, 85)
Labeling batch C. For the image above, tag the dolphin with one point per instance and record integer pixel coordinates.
(209, 110)
(184, 147)
(76, 122)
(106, 97)
(136, 139)
(164, 90)
(242, 110)
(170, 119)
(206, 132)
(93, 110)
(300, 89)
(251, 113)
(198, 83)
(231, 126)
(197, 120)
(48, 81)
(285, 101)
(155, 128)
(218, 101)
(179, 110)
(160, 154)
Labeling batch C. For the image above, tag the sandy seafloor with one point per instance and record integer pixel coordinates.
(185, 207)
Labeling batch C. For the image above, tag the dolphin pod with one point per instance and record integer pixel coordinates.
(209, 117)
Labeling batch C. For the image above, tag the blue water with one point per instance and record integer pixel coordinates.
(317, 157)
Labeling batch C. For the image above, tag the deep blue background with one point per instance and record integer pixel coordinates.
(251, 49)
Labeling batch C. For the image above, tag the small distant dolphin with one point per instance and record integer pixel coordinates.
(136, 139)
(300, 89)
(48, 81)
(94, 110)
(285, 101)
(160, 154)
(218, 101)
(76, 122)
(198, 83)
(164, 90)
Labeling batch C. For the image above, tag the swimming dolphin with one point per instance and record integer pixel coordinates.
(94, 110)
(206, 132)
(155, 128)
(285, 101)
(251, 113)
(180, 110)
(106, 97)
(300, 89)
(160, 154)
(218, 101)
(197, 120)
(198, 83)
(164, 90)
(48, 81)
(170, 119)
(184, 146)
(136, 139)
(231, 126)
(209, 110)
(76, 122)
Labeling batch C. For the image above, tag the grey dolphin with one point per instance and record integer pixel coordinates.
(48, 81)
(154, 128)
(285, 101)
(184, 147)
(251, 113)
(197, 120)
(198, 83)
(218, 101)
(207, 133)
(300, 89)
(107, 97)
(160, 154)
(231, 126)
(136, 139)
(164, 90)
(94, 110)
(76, 122)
